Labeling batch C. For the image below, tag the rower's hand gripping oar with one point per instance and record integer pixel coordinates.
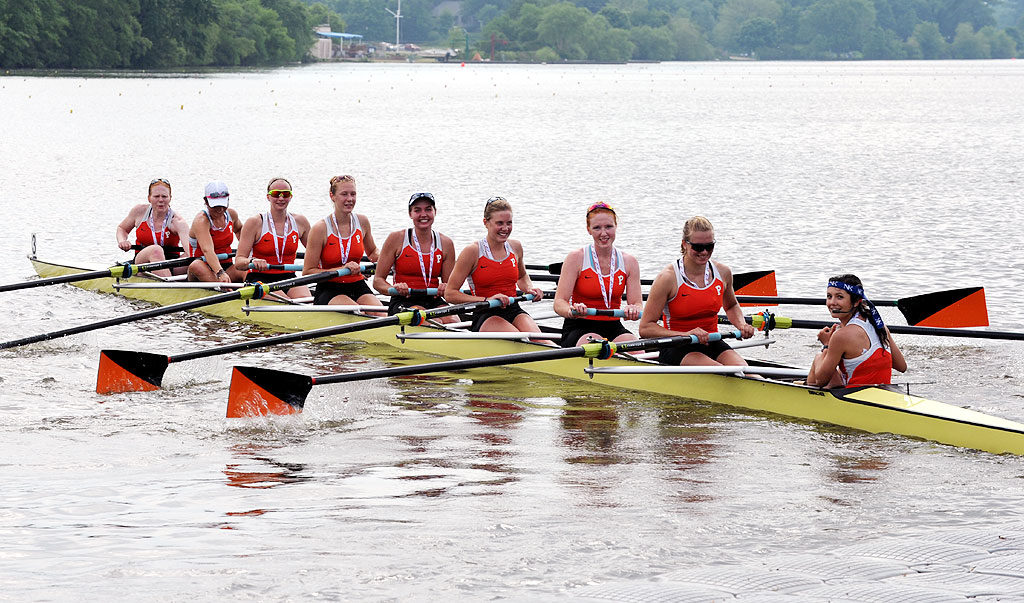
(759, 321)
(254, 291)
(124, 270)
(127, 371)
(257, 391)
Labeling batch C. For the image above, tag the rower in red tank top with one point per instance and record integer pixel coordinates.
(494, 267)
(341, 240)
(158, 230)
(422, 259)
(859, 350)
(273, 238)
(599, 275)
(687, 296)
(213, 232)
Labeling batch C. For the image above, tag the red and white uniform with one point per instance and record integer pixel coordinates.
(490, 276)
(148, 233)
(596, 290)
(692, 306)
(419, 268)
(873, 366)
(277, 249)
(338, 251)
(222, 237)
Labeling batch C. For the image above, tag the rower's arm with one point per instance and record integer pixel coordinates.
(386, 261)
(733, 310)
(657, 298)
(314, 247)
(463, 266)
(566, 282)
(245, 242)
(898, 361)
(525, 283)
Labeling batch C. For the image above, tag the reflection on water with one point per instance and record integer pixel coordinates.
(589, 429)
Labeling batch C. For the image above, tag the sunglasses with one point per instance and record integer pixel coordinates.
(493, 199)
(159, 181)
(417, 196)
(702, 247)
(217, 195)
(345, 178)
(280, 194)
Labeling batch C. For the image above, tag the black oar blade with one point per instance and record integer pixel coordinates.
(257, 392)
(955, 308)
(755, 283)
(122, 371)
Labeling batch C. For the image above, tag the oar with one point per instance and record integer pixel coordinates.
(126, 371)
(120, 271)
(256, 391)
(754, 283)
(170, 248)
(254, 291)
(953, 308)
(427, 291)
(781, 322)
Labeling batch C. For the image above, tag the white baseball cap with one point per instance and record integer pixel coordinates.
(217, 194)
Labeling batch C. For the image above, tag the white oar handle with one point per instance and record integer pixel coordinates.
(427, 291)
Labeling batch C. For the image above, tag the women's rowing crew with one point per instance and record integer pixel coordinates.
(494, 267)
(596, 277)
(213, 232)
(687, 295)
(341, 240)
(859, 350)
(159, 232)
(422, 259)
(273, 238)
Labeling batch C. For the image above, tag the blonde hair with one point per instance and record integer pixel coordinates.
(695, 223)
(496, 204)
(339, 179)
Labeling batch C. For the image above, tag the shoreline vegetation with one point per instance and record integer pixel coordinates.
(169, 35)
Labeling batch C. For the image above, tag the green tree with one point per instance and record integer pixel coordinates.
(546, 55)
(930, 41)
(653, 43)
(561, 27)
(734, 13)
(31, 32)
(616, 17)
(842, 25)
(951, 13)
(756, 33)
(1000, 44)
(967, 44)
(691, 45)
(602, 42)
(297, 19)
(103, 34)
(883, 44)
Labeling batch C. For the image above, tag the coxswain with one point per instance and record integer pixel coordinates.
(341, 240)
(494, 268)
(213, 232)
(158, 230)
(273, 238)
(597, 276)
(421, 257)
(859, 350)
(687, 295)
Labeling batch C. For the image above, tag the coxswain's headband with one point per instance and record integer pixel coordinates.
(858, 290)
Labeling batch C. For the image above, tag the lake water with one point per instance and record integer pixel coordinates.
(497, 484)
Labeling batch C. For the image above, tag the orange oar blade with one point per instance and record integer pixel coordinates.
(122, 371)
(755, 283)
(955, 308)
(257, 392)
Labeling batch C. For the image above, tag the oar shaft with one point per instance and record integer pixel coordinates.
(374, 323)
(114, 271)
(793, 323)
(809, 301)
(510, 359)
(427, 291)
(245, 292)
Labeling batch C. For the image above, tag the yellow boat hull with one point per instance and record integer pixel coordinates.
(871, 409)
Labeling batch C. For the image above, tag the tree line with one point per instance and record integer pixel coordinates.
(664, 30)
(155, 34)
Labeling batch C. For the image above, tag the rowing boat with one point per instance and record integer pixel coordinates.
(873, 409)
